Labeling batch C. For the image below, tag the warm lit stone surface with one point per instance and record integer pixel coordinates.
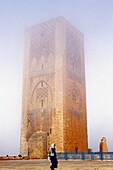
(54, 93)
(63, 165)
(103, 145)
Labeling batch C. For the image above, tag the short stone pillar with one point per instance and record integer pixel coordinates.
(103, 145)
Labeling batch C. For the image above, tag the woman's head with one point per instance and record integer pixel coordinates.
(53, 145)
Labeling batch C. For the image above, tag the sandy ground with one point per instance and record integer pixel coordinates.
(63, 165)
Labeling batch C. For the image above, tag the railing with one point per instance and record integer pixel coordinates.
(86, 156)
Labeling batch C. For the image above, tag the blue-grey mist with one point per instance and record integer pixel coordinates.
(94, 18)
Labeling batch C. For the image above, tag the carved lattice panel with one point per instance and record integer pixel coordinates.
(41, 96)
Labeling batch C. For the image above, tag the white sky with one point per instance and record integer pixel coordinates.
(94, 18)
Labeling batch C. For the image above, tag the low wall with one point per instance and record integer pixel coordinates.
(86, 156)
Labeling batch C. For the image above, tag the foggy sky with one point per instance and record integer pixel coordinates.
(94, 18)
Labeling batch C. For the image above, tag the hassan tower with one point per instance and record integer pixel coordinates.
(54, 93)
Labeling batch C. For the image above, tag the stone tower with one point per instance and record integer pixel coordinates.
(54, 93)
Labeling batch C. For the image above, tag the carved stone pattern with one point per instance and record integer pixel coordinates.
(42, 91)
(73, 52)
(30, 124)
(42, 40)
(75, 95)
(44, 66)
(38, 118)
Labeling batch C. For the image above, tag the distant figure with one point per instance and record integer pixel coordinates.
(103, 145)
(53, 157)
(76, 149)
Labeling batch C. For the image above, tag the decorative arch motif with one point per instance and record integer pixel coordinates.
(45, 63)
(38, 118)
(41, 96)
(76, 97)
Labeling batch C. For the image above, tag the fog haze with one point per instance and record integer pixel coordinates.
(94, 18)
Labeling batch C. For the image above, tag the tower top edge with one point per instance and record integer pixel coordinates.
(53, 21)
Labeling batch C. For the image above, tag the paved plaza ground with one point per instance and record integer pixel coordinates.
(63, 165)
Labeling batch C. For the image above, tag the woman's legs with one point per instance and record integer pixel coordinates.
(52, 168)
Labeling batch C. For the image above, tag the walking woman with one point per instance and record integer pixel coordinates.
(53, 157)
